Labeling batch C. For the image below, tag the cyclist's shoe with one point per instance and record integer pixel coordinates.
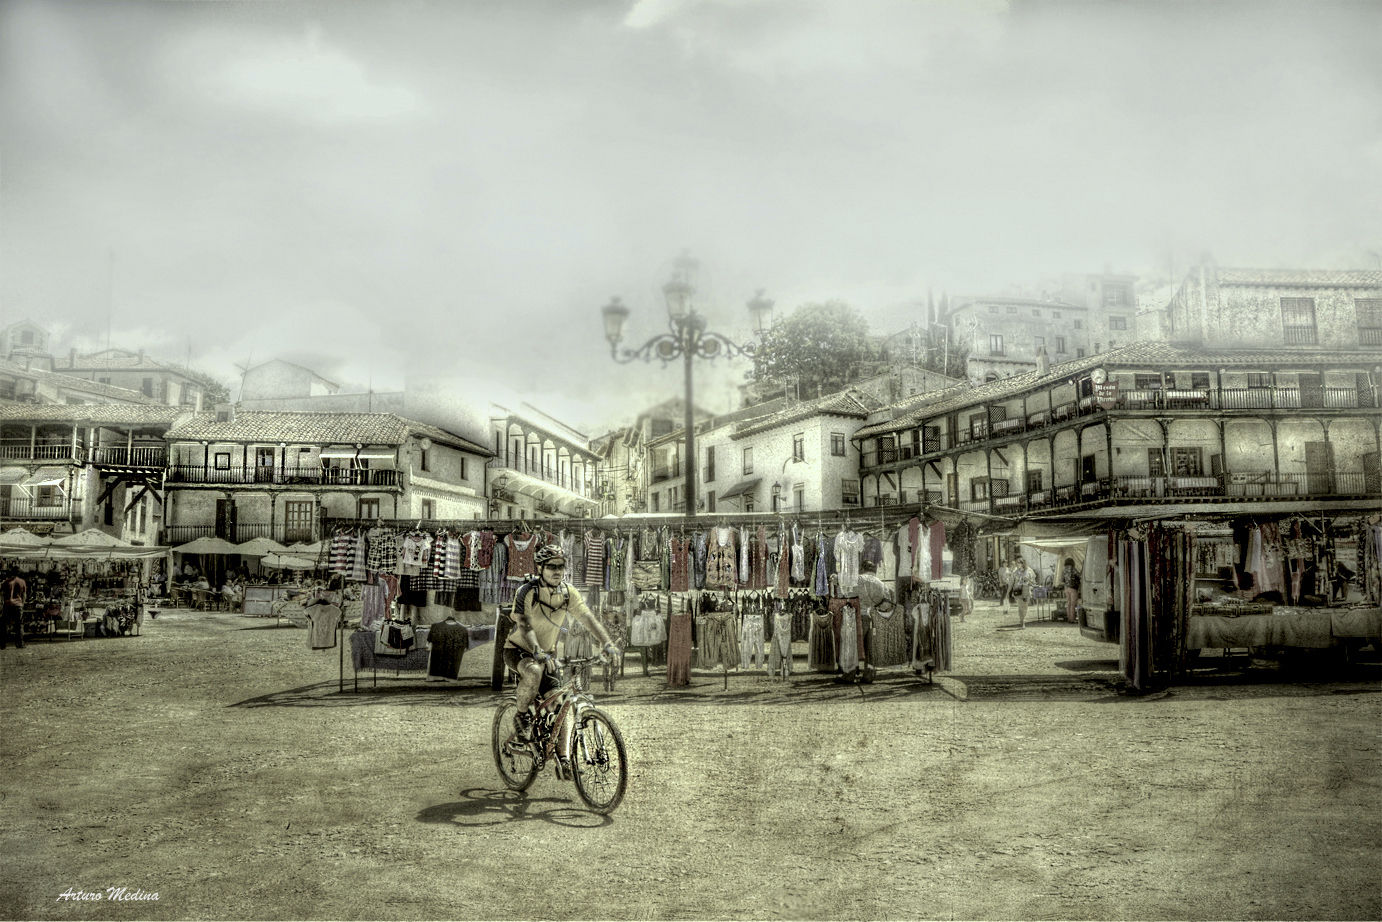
(523, 726)
(564, 770)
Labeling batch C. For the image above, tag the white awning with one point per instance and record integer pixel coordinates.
(375, 454)
(47, 477)
(338, 453)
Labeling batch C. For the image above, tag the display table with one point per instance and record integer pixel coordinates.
(1286, 626)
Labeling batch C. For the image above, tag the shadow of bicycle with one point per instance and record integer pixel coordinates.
(484, 807)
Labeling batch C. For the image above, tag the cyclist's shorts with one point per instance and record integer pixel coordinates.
(512, 656)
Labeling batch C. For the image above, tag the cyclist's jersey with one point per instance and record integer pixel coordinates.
(548, 610)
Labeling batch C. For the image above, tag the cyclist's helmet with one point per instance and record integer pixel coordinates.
(549, 553)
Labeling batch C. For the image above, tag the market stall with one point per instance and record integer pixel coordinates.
(85, 584)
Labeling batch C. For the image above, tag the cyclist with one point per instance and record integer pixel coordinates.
(539, 612)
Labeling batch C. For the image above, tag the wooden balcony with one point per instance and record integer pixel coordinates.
(306, 476)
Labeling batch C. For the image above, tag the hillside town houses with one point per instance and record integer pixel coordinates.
(1240, 392)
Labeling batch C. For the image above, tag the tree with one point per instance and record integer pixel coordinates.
(213, 391)
(820, 347)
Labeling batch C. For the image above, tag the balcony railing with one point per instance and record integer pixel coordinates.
(25, 508)
(239, 533)
(126, 456)
(21, 450)
(660, 474)
(313, 476)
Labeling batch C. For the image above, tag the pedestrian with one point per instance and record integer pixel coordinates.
(1020, 588)
(967, 589)
(13, 593)
(1070, 578)
(1005, 578)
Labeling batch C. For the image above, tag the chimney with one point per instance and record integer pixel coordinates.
(1043, 362)
(72, 358)
(141, 353)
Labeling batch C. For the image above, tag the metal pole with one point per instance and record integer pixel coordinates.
(688, 333)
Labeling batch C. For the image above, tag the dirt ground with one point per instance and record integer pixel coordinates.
(212, 761)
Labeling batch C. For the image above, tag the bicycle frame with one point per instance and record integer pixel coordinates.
(559, 713)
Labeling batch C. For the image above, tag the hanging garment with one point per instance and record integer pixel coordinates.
(820, 651)
(825, 565)
(780, 647)
(449, 640)
(783, 560)
(416, 551)
(467, 595)
(698, 554)
(742, 576)
(848, 628)
(382, 555)
(758, 559)
(936, 549)
(679, 650)
(848, 544)
(751, 640)
(595, 560)
(720, 565)
(522, 551)
(324, 620)
(395, 638)
(681, 564)
(798, 557)
(373, 607)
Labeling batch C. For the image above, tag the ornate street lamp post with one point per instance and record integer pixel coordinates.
(689, 339)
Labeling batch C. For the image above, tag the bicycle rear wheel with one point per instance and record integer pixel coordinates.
(601, 766)
(515, 761)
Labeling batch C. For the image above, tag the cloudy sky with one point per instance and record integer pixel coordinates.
(380, 189)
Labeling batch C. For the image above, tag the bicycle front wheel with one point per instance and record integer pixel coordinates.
(600, 764)
(515, 761)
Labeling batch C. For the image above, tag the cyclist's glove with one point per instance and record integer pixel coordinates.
(610, 653)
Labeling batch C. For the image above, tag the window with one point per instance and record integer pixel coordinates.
(709, 466)
(428, 510)
(748, 460)
(369, 508)
(1079, 324)
(222, 416)
(463, 473)
(748, 503)
(657, 502)
(993, 308)
(1199, 380)
(222, 460)
(1012, 308)
(1060, 344)
(1298, 321)
(849, 492)
(1036, 312)
(837, 444)
(710, 501)
(1369, 321)
(777, 498)
(1079, 353)
(799, 447)
(1115, 295)
(979, 488)
(423, 460)
(1146, 382)
(1118, 323)
(978, 425)
(672, 499)
(48, 496)
(995, 344)
(1259, 379)
(1055, 314)
(799, 496)
(1034, 481)
(147, 388)
(1187, 462)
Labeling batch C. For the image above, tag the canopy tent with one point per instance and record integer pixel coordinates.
(22, 538)
(91, 544)
(259, 547)
(288, 562)
(302, 549)
(207, 546)
(1074, 547)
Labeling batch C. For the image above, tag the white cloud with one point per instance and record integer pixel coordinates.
(302, 78)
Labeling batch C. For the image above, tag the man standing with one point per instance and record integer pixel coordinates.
(13, 592)
(1070, 578)
(1005, 579)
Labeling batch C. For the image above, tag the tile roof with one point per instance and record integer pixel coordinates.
(844, 403)
(1324, 278)
(71, 383)
(317, 428)
(118, 363)
(91, 413)
(1136, 355)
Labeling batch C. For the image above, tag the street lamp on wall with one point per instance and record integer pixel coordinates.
(687, 338)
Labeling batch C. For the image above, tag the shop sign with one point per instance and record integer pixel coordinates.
(1106, 394)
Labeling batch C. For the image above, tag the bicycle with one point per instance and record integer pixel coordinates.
(580, 739)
